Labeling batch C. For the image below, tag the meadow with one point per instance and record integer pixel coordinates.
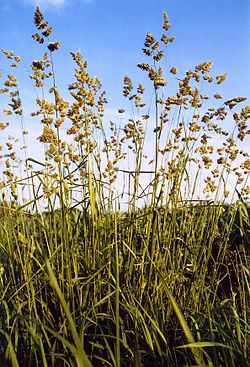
(100, 266)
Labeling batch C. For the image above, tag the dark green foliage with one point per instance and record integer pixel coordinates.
(143, 304)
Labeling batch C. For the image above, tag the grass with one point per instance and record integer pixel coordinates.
(89, 281)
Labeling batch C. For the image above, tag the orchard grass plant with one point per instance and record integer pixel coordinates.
(110, 263)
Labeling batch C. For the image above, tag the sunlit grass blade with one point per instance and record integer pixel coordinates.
(80, 355)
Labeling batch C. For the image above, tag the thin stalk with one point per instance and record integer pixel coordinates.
(117, 297)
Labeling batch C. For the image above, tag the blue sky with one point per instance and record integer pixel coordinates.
(110, 34)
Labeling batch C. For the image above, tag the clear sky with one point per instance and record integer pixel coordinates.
(111, 33)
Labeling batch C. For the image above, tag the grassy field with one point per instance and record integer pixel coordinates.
(154, 273)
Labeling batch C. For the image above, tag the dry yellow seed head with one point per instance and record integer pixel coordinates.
(38, 17)
(166, 24)
(7, 112)
(52, 46)
(217, 96)
(221, 78)
(204, 67)
(48, 136)
(173, 70)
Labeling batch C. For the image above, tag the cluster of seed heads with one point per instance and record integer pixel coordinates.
(181, 144)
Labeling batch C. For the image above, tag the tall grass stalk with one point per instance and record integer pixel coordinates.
(80, 355)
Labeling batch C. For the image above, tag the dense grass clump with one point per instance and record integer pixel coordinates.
(102, 267)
